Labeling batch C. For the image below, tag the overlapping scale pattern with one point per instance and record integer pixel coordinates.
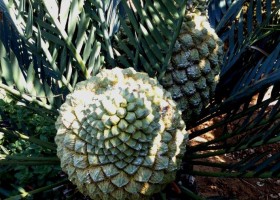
(120, 136)
(194, 69)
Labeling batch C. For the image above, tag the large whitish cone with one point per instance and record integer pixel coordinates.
(193, 73)
(120, 136)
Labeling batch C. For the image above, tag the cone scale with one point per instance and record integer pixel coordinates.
(193, 72)
(120, 136)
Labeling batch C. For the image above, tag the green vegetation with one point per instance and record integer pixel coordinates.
(48, 46)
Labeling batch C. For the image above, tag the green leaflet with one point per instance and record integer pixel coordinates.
(149, 30)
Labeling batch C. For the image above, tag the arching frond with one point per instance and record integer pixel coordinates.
(148, 33)
(246, 112)
(66, 42)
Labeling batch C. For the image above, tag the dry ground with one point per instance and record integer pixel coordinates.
(236, 188)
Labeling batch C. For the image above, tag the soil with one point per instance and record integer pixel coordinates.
(236, 188)
(243, 189)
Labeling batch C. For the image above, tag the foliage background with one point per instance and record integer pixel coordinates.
(43, 56)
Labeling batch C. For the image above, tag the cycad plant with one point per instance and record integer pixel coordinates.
(112, 95)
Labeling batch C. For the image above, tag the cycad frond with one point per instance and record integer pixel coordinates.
(51, 45)
(148, 33)
(27, 83)
(254, 127)
(66, 42)
(10, 37)
(248, 110)
(245, 27)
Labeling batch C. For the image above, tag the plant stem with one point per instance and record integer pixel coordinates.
(229, 119)
(39, 142)
(190, 194)
(28, 163)
(233, 174)
(232, 149)
(24, 96)
(4, 157)
(224, 137)
(42, 189)
(209, 164)
(104, 28)
(67, 41)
